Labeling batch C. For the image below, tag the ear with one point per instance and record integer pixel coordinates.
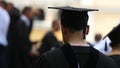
(87, 29)
(64, 30)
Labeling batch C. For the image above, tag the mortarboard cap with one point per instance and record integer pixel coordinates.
(114, 35)
(74, 18)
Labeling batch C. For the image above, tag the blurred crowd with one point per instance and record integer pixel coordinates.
(16, 46)
(15, 29)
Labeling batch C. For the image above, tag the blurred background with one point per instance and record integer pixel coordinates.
(100, 22)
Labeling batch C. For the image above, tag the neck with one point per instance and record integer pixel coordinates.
(115, 52)
(52, 30)
(77, 40)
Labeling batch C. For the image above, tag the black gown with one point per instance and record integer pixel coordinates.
(14, 17)
(20, 52)
(57, 59)
(11, 37)
(116, 58)
(49, 41)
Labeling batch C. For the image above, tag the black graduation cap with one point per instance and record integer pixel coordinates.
(74, 18)
(114, 35)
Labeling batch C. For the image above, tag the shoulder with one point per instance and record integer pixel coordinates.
(48, 35)
(116, 58)
(54, 55)
(21, 22)
(106, 62)
(3, 11)
(104, 58)
(40, 62)
(51, 59)
(43, 61)
(4, 14)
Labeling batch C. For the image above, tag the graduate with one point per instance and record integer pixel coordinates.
(49, 41)
(21, 55)
(104, 46)
(115, 44)
(76, 52)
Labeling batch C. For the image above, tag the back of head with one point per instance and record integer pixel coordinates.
(74, 19)
(74, 22)
(114, 36)
(10, 4)
(56, 25)
(98, 37)
(3, 4)
(10, 7)
(26, 9)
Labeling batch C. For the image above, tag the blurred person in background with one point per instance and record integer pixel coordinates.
(102, 44)
(11, 37)
(115, 44)
(24, 45)
(4, 25)
(97, 38)
(39, 14)
(50, 42)
(14, 17)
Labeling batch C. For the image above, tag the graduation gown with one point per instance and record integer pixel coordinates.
(20, 57)
(14, 17)
(12, 39)
(116, 58)
(48, 42)
(57, 59)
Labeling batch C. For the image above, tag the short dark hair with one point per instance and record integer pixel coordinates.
(4, 3)
(54, 22)
(10, 3)
(74, 20)
(98, 37)
(26, 9)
